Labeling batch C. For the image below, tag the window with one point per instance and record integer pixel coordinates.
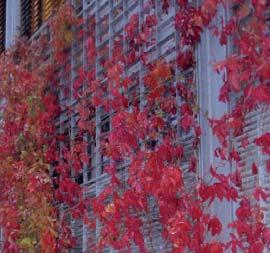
(2, 25)
(48, 7)
(34, 13)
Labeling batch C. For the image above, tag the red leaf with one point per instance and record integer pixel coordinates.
(244, 142)
(264, 142)
(185, 60)
(215, 226)
(256, 247)
(244, 211)
(214, 247)
(84, 158)
(234, 155)
(186, 122)
(165, 5)
(192, 164)
(195, 212)
(267, 164)
(224, 93)
(223, 38)
(266, 236)
(254, 169)
(261, 93)
(260, 193)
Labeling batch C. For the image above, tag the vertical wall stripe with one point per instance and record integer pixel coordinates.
(12, 21)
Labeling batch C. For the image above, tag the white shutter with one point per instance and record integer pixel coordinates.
(76, 58)
(249, 154)
(77, 232)
(264, 175)
(111, 18)
(257, 123)
(1, 239)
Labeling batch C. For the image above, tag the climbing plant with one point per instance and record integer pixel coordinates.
(38, 163)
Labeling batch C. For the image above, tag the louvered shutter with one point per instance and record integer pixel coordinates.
(26, 18)
(1, 238)
(31, 16)
(264, 176)
(111, 17)
(35, 12)
(2, 25)
(166, 48)
(42, 10)
(249, 154)
(76, 57)
(256, 123)
(49, 6)
(77, 232)
(36, 16)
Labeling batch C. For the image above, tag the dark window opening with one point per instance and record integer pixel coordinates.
(2, 25)
(79, 178)
(55, 179)
(91, 152)
(34, 13)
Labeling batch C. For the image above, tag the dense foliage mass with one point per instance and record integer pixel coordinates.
(145, 126)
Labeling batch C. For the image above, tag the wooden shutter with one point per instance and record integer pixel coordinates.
(34, 13)
(47, 9)
(31, 16)
(2, 25)
(49, 6)
(36, 17)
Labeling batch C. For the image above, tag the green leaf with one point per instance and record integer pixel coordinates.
(26, 242)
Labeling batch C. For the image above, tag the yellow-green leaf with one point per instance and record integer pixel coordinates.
(26, 242)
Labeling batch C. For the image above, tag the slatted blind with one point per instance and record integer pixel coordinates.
(249, 154)
(2, 25)
(111, 18)
(34, 13)
(264, 127)
(26, 18)
(257, 123)
(49, 6)
(1, 238)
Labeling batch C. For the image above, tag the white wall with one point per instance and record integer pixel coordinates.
(209, 83)
(12, 20)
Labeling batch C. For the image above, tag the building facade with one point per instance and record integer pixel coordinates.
(29, 18)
